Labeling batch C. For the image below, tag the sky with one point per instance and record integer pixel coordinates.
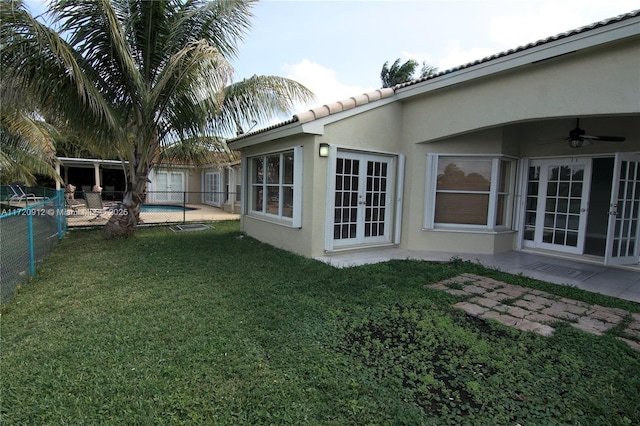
(337, 48)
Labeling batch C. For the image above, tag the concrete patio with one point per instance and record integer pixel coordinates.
(582, 272)
(200, 213)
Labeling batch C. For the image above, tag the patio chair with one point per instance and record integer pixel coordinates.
(95, 205)
(73, 204)
(18, 194)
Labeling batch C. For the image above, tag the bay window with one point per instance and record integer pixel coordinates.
(469, 191)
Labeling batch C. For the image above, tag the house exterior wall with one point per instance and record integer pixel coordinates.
(307, 239)
(520, 113)
(574, 85)
(547, 92)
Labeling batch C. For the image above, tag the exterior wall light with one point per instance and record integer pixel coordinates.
(324, 150)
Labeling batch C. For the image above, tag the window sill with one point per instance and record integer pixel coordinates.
(272, 219)
(469, 230)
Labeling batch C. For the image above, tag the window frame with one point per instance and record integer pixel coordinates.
(295, 220)
(494, 193)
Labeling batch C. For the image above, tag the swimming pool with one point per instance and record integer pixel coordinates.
(164, 208)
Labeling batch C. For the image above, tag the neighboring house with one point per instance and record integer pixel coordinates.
(84, 173)
(472, 160)
(221, 186)
(215, 185)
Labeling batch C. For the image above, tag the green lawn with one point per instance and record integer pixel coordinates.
(215, 328)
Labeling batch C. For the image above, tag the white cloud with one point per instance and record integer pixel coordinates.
(323, 82)
(551, 18)
(535, 20)
(455, 56)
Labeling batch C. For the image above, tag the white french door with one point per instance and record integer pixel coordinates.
(169, 187)
(212, 188)
(557, 204)
(623, 230)
(362, 199)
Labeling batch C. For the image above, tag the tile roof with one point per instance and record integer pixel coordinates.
(365, 98)
(344, 105)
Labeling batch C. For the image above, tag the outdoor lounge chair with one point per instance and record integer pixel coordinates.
(73, 204)
(95, 205)
(18, 195)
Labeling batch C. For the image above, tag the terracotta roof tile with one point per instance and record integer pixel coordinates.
(346, 104)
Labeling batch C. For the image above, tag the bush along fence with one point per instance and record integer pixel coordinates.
(30, 227)
(89, 209)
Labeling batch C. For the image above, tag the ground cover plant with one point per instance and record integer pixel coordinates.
(213, 327)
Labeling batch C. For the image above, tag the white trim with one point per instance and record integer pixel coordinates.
(399, 195)
(298, 176)
(520, 200)
(431, 175)
(244, 170)
(330, 198)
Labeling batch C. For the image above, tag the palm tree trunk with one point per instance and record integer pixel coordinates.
(124, 221)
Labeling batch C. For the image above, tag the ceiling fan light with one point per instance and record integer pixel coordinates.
(576, 143)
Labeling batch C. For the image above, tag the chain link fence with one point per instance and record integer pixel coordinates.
(159, 207)
(29, 230)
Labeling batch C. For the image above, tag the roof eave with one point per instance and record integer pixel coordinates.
(266, 136)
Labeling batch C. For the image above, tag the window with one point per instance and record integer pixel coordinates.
(470, 191)
(275, 180)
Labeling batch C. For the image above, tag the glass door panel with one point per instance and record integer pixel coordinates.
(362, 199)
(556, 204)
(623, 230)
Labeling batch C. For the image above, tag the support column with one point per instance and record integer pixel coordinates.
(96, 172)
(57, 165)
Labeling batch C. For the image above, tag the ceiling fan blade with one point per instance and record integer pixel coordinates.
(604, 138)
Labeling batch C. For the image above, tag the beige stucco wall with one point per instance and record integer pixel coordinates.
(308, 239)
(379, 129)
(606, 79)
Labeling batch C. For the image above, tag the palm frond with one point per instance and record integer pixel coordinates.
(50, 68)
(198, 151)
(258, 98)
(26, 148)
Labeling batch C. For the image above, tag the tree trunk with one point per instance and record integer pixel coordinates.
(124, 223)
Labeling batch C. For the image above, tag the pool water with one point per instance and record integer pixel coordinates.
(163, 208)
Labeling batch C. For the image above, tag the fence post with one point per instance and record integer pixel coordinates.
(32, 255)
(60, 213)
(184, 207)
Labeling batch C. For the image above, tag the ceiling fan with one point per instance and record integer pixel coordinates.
(578, 139)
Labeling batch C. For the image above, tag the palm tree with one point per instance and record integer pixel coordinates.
(142, 76)
(26, 141)
(402, 73)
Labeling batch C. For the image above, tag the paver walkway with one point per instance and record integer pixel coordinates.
(534, 310)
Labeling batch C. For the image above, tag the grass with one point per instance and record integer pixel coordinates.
(212, 327)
